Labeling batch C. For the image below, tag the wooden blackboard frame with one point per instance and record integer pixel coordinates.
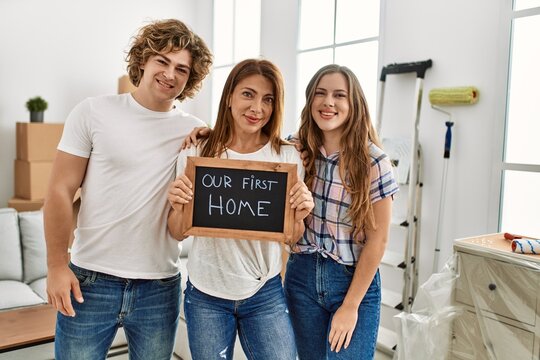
(288, 223)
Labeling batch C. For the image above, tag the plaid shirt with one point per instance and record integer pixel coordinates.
(328, 228)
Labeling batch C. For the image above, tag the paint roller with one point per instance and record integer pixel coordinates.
(454, 96)
(465, 95)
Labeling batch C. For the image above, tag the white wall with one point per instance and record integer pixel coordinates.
(279, 33)
(464, 40)
(65, 51)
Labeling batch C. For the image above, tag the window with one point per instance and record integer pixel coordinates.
(525, 4)
(233, 40)
(345, 32)
(521, 165)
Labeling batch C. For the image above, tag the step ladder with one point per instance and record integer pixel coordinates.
(405, 153)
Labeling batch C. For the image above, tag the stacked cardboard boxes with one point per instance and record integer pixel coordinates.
(36, 148)
(125, 85)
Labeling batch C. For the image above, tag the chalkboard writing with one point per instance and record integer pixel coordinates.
(239, 199)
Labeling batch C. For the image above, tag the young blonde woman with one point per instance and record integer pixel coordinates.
(235, 285)
(332, 282)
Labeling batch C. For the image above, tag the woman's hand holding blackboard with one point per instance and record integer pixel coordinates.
(302, 202)
(180, 193)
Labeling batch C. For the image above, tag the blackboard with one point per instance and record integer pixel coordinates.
(239, 199)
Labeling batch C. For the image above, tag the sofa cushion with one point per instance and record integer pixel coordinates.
(10, 246)
(33, 245)
(40, 287)
(17, 294)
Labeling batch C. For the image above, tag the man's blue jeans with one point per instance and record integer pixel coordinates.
(262, 322)
(315, 287)
(147, 309)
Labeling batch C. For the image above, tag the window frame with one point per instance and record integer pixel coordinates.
(334, 46)
(502, 167)
(228, 65)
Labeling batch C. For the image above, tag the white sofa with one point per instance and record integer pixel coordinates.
(23, 267)
(23, 271)
(23, 263)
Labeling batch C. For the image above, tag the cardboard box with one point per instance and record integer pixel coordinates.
(32, 178)
(38, 141)
(25, 205)
(33, 205)
(125, 85)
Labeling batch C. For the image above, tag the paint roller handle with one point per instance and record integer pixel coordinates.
(448, 139)
(509, 236)
(419, 67)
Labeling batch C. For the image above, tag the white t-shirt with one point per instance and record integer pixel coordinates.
(122, 224)
(236, 269)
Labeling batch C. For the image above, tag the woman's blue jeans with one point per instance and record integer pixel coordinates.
(315, 287)
(262, 322)
(147, 309)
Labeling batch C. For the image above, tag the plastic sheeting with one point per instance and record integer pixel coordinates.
(425, 332)
(484, 304)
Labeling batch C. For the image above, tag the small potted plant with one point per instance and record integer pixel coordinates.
(36, 106)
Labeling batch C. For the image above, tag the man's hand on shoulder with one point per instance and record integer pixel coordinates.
(198, 133)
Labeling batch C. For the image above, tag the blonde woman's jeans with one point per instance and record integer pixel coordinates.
(315, 287)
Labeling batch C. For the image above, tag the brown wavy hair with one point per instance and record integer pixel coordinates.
(354, 156)
(223, 132)
(164, 36)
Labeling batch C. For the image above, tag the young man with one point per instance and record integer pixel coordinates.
(121, 150)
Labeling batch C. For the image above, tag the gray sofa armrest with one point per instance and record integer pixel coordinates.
(10, 246)
(33, 245)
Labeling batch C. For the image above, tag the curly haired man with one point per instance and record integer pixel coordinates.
(121, 150)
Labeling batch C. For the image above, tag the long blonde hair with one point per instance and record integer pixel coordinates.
(354, 155)
(223, 132)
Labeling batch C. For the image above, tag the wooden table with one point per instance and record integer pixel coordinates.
(28, 326)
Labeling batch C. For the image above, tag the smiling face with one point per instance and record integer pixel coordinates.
(164, 78)
(330, 105)
(252, 104)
